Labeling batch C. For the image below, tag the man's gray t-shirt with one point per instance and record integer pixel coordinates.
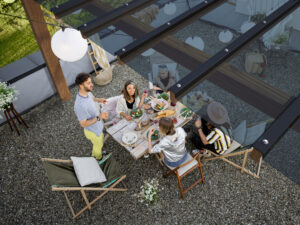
(85, 109)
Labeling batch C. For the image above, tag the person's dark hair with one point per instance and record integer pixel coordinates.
(166, 126)
(125, 93)
(81, 78)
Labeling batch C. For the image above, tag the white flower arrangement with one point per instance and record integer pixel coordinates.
(7, 95)
(149, 191)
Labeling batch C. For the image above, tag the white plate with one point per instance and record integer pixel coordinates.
(130, 137)
(153, 104)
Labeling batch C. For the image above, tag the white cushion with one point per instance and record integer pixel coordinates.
(233, 146)
(239, 133)
(87, 170)
(184, 169)
(253, 133)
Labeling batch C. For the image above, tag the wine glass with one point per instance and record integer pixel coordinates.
(115, 121)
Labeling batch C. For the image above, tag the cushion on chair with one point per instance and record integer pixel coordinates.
(233, 146)
(184, 169)
(239, 133)
(87, 170)
(254, 132)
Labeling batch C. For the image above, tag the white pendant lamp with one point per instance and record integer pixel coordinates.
(225, 36)
(170, 9)
(69, 45)
(247, 26)
(196, 42)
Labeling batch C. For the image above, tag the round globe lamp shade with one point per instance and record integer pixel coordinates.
(170, 9)
(196, 42)
(68, 45)
(225, 36)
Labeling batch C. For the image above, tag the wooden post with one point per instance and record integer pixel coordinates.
(34, 12)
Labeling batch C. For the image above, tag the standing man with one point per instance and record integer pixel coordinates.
(88, 114)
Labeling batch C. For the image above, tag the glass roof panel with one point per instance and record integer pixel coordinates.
(285, 155)
(274, 57)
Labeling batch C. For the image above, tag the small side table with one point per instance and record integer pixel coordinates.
(9, 113)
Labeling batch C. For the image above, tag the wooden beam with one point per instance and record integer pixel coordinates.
(34, 12)
(259, 94)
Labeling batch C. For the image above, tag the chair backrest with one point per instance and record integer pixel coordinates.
(111, 105)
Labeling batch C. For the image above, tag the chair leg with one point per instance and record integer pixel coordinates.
(85, 199)
(180, 186)
(244, 162)
(201, 170)
(169, 173)
(69, 204)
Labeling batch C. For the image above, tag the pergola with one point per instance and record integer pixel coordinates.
(276, 103)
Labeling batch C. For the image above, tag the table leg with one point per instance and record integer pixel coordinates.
(5, 113)
(18, 115)
(13, 122)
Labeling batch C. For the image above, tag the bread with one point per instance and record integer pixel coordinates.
(165, 113)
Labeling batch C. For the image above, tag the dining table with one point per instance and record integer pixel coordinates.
(140, 145)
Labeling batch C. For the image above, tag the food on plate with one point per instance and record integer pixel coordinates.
(163, 96)
(165, 113)
(186, 112)
(159, 106)
(136, 113)
(154, 136)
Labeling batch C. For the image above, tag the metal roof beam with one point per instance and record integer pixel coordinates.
(193, 79)
(68, 7)
(109, 18)
(157, 34)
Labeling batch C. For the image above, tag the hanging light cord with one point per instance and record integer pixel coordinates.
(23, 18)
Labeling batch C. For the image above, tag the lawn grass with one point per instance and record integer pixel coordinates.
(17, 45)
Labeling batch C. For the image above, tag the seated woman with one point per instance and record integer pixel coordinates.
(216, 138)
(172, 145)
(164, 79)
(130, 100)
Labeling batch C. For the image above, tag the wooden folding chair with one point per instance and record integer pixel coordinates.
(190, 164)
(238, 151)
(62, 177)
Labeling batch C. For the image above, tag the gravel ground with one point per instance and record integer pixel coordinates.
(228, 197)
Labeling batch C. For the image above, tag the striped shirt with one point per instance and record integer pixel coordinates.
(221, 137)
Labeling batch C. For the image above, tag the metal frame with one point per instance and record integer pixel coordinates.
(195, 77)
(109, 18)
(277, 129)
(177, 23)
(68, 7)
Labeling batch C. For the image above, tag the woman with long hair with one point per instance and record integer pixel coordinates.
(172, 145)
(129, 100)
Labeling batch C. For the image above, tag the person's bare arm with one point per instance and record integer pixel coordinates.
(149, 140)
(198, 124)
(126, 116)
(87, 123)
(202, 136)
(101, 100)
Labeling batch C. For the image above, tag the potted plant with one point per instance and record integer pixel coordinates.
(256, 18)
(7, 96)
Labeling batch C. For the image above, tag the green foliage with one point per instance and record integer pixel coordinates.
(281, 38)
(258, 17)
(16, 37)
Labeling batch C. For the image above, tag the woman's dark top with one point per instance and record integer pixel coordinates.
(130, 105)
